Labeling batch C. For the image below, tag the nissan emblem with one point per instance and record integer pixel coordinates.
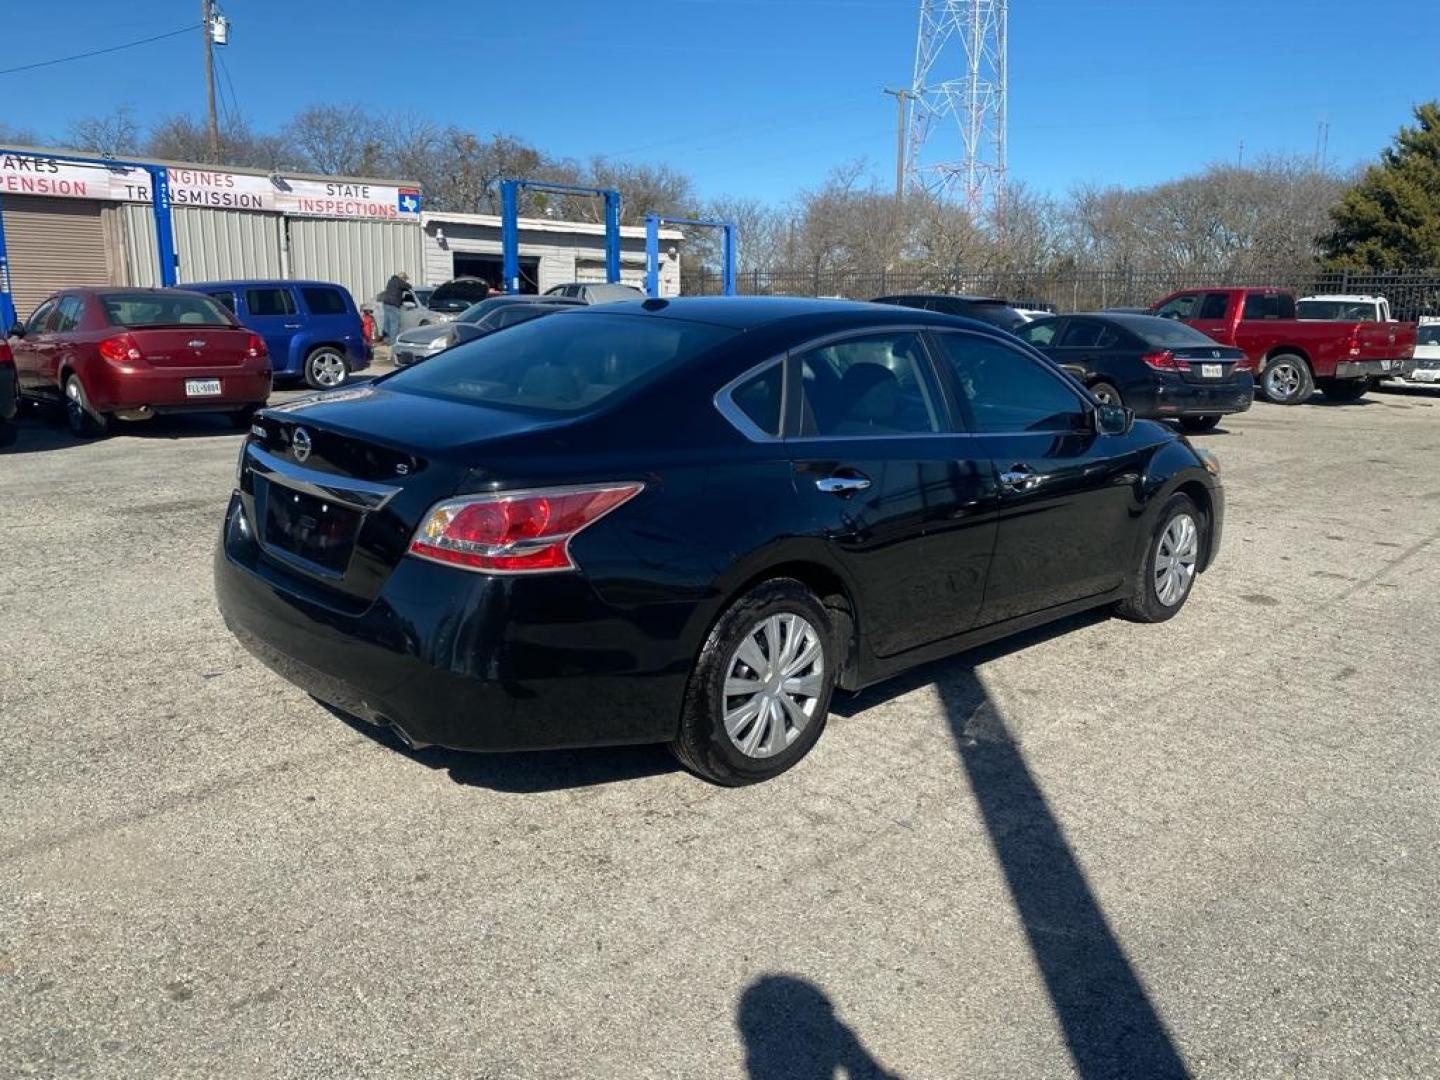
(300, 444)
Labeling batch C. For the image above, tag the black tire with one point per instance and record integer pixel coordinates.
(9, 432)
(241, 417)
(1344, 390)
(1106, 394)
(703, 745)
(79, 417)
(1200, 423)
(1144, 604)
(326, 367)
(1287, 380)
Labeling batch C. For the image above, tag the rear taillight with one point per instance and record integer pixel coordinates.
(1245, 364)
(515, 532)
(255, 347)
(120, 347)
(7, 358)
(1355, 341)
(1164, 360)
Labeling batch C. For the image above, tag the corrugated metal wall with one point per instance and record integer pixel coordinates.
(220, 245)
(361, 255)
(213, 245)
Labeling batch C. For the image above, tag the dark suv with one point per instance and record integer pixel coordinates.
(986, 309)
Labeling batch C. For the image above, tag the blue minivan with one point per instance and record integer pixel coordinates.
(311, 329)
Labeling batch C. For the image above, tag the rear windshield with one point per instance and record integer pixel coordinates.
(1164, 333)
(560, 365)
(1428, 335)
(163, 309)
(997, 314)
(1336, 310)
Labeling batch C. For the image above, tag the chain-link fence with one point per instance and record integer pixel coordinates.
(1411, 292)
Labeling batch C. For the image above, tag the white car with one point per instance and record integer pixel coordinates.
(1341, 308)
(1427, 354)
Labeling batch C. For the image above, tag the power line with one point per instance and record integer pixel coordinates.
(99, 52)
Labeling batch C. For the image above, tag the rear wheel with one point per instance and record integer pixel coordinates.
(326, 368)
(760, 692)
(1105, 394)
(1344, 389)
(81, 418)
(1161, 583)
(1287, 380)
(1199, 423)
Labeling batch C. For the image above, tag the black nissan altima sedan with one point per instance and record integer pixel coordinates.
(691, 521)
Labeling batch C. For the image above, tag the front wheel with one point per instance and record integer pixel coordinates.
(1199, 424)
(760, 691)
(79, 416)
(326, 368)
(1161, 584)
(1287, 380)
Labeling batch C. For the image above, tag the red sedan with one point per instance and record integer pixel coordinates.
(130, 354)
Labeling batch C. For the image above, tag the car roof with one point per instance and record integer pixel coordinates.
(260, 281)
(754, 312)
(969, 299)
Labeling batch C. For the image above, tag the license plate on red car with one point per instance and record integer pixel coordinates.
(1212, 371)
(202, 387)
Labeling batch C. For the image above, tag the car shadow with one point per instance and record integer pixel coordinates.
(791, 1032)
(525, 772)
(46, 431)
(1111, 1027)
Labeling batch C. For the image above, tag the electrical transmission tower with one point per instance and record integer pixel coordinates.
(959, 90)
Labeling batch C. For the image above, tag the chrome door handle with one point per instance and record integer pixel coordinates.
(842, 485)
(1021, 478)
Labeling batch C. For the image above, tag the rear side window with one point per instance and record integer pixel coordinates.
(1179, 307)
(1041, 332)
(760, 397)
(1269, 306)
(1001, 315)
(560, 365)
(269, 301)
(1214, 306)
(225, 298)
(163, 309)
(871, 385)
(324, 301)
(67, 317)
(1088, 334)
(1006, 391)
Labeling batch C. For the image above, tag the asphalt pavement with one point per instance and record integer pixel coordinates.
(1101, 850)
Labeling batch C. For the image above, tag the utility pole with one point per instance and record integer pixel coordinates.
(900, 95)
(212, 125)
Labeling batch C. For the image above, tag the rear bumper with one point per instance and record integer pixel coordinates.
(163, 389)
(1424, 375)
(1375, 369)
(461, 660)
(1175, 397)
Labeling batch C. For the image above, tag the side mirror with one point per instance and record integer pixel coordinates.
(409, 303)
(16, 330)
(1114, 419)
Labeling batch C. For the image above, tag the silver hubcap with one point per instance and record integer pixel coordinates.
(773, 684)
(1282, 380)
(329, 368)
(1175, 559)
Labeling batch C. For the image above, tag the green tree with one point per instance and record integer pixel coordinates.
(1390, 219)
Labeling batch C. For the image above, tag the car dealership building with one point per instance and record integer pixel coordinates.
(67, 222)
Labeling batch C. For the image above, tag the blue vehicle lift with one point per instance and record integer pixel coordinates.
(159, 200)
(652, 250)
(510, 225)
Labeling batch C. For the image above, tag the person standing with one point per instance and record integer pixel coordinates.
(390, 300)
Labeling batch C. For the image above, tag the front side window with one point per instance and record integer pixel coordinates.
(873, 385)
(1178, 307)
(42, 314)
(323, 301)
(161, 308)
(1006, 391)
(560, 365)
(67, 317)
(270, 301)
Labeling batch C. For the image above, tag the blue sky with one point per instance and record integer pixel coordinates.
(762, 97)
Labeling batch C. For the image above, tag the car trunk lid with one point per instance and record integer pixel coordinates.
(199, 347)
(1207, 364)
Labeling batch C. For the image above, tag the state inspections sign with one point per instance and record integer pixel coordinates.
(36, 174)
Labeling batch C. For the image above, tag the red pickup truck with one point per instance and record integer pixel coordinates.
(1292, 357)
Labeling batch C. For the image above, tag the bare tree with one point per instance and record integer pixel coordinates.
(113, 134)
(338, 140)
(18, 136)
